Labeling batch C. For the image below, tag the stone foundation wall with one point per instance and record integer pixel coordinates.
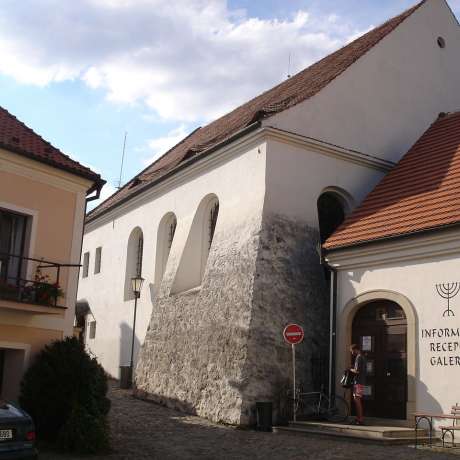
(196, 346)
(289, 287)
(216, 351)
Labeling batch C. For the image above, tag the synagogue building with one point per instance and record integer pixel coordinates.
(331, 201)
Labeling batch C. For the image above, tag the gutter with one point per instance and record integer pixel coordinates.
(178, 168)
(99, 186)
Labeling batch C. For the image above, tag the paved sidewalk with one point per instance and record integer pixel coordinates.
(142, 430)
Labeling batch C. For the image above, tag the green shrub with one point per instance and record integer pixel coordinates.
(83, 432)
(65, 392)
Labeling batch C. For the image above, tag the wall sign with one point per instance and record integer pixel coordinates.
(448, 291)
(442, 344)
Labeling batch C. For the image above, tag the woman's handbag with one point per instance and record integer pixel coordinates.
(347, 379)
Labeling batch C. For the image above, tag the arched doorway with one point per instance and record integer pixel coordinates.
(380, 328)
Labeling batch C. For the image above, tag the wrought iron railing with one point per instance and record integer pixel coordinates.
(43, 289)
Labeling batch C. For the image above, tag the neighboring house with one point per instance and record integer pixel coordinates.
(43, 196)
(226, 227)
(397, 258)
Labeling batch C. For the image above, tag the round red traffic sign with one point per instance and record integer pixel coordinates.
(293, 334)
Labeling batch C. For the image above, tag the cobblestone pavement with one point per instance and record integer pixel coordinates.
(143, 430)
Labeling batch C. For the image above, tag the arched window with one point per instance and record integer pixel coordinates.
(165, 237)
(331, 214)
(139, 253)
(210, 221)
(134, 255)
(192, 265)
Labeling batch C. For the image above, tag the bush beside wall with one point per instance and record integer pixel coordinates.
(65, 392)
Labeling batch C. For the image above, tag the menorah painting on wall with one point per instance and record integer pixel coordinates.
(448, 291)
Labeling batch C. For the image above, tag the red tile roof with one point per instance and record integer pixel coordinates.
(16, 137)
(298, 88)
(422, 192)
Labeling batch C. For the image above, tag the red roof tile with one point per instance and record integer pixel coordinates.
(298, 88)
(422, 192)
(16, 137)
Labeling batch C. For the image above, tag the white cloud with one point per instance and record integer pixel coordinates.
(186, 60)
(160, 145)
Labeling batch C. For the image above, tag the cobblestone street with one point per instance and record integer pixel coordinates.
(142, 430)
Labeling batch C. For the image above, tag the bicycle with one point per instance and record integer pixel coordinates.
(316, 404)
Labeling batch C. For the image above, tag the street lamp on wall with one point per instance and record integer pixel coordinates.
(136, 283)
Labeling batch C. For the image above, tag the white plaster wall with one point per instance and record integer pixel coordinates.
(388, 98)
(238, 180)
(296, 177)
(436, 386)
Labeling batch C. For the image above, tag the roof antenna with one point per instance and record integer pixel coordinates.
(289, 66)
(122, 160)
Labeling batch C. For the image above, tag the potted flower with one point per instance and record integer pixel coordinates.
(46, 292)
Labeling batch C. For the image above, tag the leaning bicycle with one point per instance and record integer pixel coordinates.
(318, 405)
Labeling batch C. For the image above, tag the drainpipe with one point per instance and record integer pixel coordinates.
(98, 188)
(332, 329)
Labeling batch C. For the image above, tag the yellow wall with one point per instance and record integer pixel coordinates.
(35, 337)
(55, 200)
(55, 220)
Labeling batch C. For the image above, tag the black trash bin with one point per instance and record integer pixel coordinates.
(125, 377)
(264, 411)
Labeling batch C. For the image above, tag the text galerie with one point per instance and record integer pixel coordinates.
(443, 345)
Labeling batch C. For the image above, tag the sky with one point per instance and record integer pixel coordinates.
(83, 73)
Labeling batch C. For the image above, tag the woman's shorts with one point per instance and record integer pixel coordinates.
(358, 390)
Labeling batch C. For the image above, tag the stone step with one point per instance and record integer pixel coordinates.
(352, 435)
(371, 431)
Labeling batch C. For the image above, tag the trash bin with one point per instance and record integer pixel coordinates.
(125, 377)
(264, 415)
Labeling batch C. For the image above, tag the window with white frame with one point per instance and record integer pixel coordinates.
(13, 244)
(97, 260)
(85, 265)
(92, 330)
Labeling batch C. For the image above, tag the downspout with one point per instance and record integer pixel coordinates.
(87, 200)
(332, 329)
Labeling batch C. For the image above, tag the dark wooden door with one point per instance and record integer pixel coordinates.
(380, 328)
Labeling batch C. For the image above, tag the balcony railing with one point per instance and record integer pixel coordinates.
(44, 289)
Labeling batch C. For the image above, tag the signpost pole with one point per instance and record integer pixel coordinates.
(293, 334)
(293, 382)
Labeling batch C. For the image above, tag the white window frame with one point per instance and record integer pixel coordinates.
(92, 330)
(32, 214)
(85, 268)
(98, 260)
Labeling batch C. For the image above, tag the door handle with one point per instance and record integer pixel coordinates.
(388, 374)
